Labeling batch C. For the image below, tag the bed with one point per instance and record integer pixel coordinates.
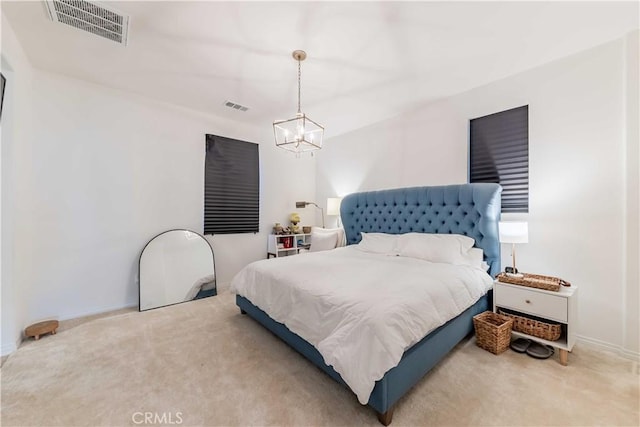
(471, 210)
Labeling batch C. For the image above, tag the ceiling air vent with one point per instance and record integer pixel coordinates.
(235, 106)
(91, 17)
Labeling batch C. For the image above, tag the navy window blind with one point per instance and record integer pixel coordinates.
(231, 186)
(499, 152)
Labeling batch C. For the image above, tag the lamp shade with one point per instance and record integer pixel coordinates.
(513, 231)
(333, 205)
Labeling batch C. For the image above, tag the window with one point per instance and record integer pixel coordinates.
(499, 152)
(231, 186)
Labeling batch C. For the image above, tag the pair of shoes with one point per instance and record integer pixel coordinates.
(532, 348)
(520, 345)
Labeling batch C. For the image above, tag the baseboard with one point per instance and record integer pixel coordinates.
(631, 355)
(223, 286)
(7, 349)
(101, 310)
(10, 348)
(592, 342)
(81, 314)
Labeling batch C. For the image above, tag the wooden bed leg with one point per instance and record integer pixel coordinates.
(242, 311)
(385, 418)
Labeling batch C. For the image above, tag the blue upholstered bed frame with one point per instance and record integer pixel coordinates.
(470, 209)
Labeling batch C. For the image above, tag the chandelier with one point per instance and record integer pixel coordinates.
(298, 134)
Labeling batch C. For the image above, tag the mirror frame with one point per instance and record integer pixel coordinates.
(215, 274)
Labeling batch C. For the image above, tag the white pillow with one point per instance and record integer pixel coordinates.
(444, 248)
(474, 258)
(379, 243)
(319, 230)
(323, 241)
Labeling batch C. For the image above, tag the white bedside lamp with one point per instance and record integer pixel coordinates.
(333, 207)
(513, 232)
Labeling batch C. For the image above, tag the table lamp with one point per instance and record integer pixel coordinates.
(513, 232)
(333, 207)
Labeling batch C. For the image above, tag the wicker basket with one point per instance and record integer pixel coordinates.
(548, 283)
(536, 328)
(493, 331)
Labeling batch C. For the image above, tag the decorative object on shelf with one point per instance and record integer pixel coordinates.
(41, 328)
(493, 331)
(306, 229)
(333, 207)
(300, 205)
(277, 228)
(295, 219)
(298, 134)
(513, 232)
(287, 242)
(548, 283)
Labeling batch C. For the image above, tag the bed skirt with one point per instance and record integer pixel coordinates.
(415, 362)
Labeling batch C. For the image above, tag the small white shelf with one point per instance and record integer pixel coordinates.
(560, 344)
(274, 239)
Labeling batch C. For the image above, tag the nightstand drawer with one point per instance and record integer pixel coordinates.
(520, 298)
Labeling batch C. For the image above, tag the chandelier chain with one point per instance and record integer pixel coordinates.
(298, 134)
(298, 85)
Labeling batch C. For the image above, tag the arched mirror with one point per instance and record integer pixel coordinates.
(176, 266)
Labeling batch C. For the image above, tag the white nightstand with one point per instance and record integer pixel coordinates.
(560, 307)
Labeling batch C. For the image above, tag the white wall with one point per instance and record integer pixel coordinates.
(15, 151)
(112, 170)
(577, 171)
(632, 232)
(108, 171)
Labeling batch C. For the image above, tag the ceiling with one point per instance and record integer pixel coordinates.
(367, 61)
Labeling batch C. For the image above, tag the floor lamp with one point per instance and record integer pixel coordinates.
(300, 205)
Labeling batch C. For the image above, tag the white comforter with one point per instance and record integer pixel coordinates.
(361, 311)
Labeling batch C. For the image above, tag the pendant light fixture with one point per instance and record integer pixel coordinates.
(298, 134)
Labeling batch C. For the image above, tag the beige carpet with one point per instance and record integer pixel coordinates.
(203, 363)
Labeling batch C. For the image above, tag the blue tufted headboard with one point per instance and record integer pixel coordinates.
(469, 209)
